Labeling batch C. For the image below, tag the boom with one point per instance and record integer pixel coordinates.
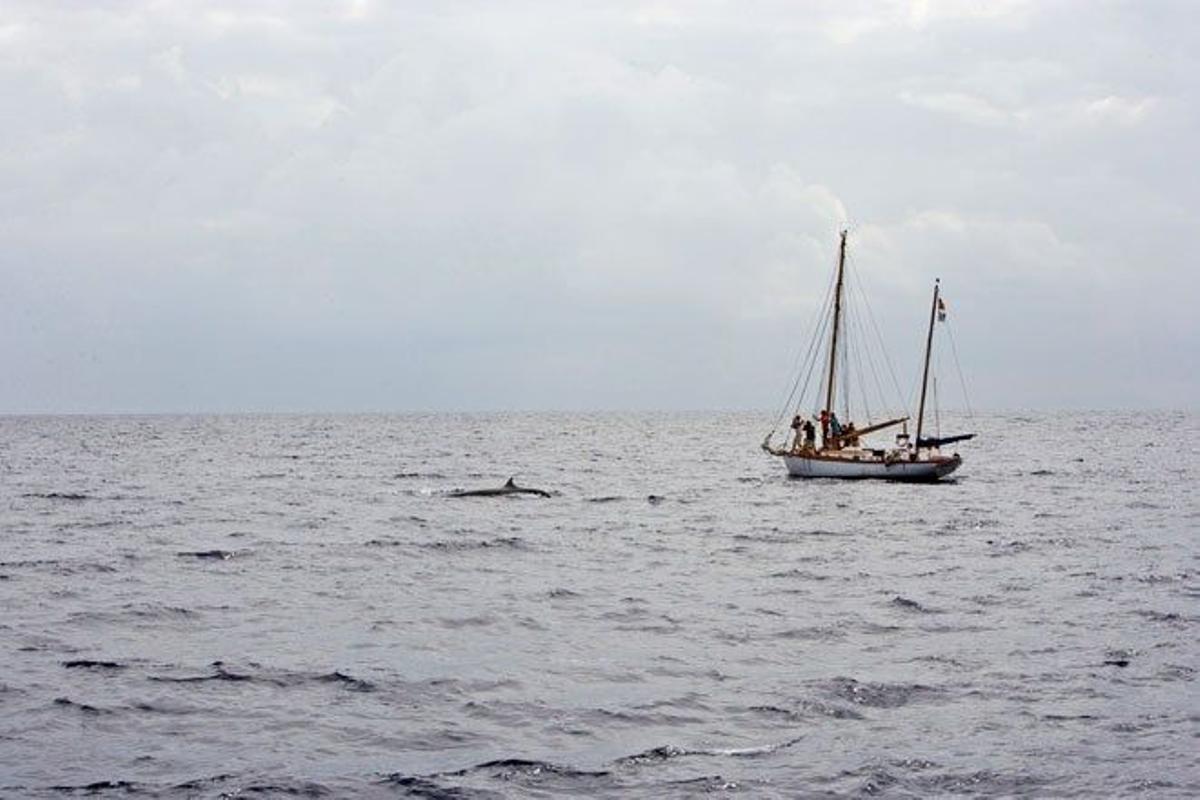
(872, 428)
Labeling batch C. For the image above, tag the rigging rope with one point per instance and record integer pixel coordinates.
(937, 406)
(870, 358)
(861, 373)
(910, 401)
(865, 324)
(845, 368)
(815, 352)
(962, 381)
(813, 363)
(816, 341)
(887, 358)
(805, 358)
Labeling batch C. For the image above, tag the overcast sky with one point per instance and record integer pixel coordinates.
(392, 206)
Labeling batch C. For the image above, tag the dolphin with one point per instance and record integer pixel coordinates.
(508, 488)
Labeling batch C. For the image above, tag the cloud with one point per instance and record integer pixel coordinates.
(209, 204)
(1120, 110)
(973, 110)
(923, 13)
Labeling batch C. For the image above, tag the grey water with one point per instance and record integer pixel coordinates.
(266, 606)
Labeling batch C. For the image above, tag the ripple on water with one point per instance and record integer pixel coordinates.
(879, 695)
(681, 619)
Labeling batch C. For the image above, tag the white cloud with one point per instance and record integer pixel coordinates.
(444, 175)
(981, 248)
(1121, 110)
(922, 13)
(898, 17)
(964, 107)
(848, 30)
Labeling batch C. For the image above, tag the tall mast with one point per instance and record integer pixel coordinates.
(837, 323)
(928, 350)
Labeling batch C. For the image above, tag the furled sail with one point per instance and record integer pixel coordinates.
(938, 441)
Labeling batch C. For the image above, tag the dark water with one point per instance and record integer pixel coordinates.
(284, 605)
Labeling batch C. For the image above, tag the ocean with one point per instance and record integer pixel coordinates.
(288, 605)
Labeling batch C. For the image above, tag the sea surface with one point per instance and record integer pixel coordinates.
(270, 606)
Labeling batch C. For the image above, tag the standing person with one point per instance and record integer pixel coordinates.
(810, 434)
(835, 428)
(797, 423)
(824, 418)
(851, 435)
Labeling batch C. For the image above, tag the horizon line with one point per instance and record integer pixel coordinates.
(555, 411)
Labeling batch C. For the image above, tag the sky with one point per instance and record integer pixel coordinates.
(370, 206)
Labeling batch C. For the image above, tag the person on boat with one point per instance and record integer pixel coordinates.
(835, 429)
(824, 419)
(850, 435)
(797, 424)
(810, 435)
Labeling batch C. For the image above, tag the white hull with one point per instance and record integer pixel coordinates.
(846, 465)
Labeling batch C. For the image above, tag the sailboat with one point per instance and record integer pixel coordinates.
(841, 452)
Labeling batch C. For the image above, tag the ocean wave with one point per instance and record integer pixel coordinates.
(500, 542)
(806, 709)
(59, 566)
(67, 496)
(97, 787)
(220, 673)
(669, 751)
(256, 674)
(813, 634)
(208, 555)
(531, 772)
(909, 605)
(879, 695)
(509, 768)
(429, 789)
(347, 681)
(86, 708)
(132, 611)
(85, 663)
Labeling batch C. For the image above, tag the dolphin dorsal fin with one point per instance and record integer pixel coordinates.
(509, 484)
